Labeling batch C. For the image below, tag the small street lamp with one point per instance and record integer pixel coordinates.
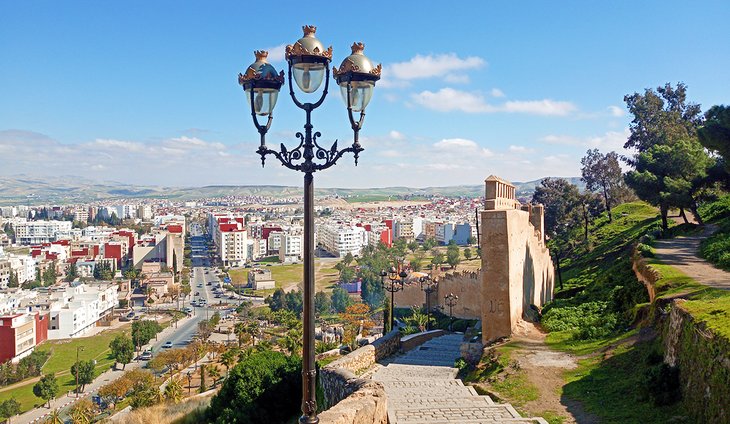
(190, 380)
(78, 349)
(451, 299)
(308, 66)
(396, 281)
(428, 285)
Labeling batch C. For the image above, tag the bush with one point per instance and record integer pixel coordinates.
(716, 210)
(716, 249)
(263, 388)
(645, 250)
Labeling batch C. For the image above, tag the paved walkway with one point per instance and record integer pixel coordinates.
(422, 388)
(683, 253)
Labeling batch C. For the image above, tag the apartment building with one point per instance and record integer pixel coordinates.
(404, 229)
(75, 311)
(340, 239)
(291, 247)
(38, 232)
(20, 333)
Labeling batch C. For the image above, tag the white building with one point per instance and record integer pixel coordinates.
(290, 248)
(77, 309)
(144, 212)
(37, 232)
(341, 239)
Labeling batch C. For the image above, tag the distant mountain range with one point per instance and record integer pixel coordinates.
(24, 189)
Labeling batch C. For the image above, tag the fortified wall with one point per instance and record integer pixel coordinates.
(517, 270)
(465, 284)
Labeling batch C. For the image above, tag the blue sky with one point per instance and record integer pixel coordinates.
(146, 92)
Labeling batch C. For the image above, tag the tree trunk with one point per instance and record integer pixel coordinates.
(683, 215)
(608, 204)
(695, 212)
(664, 210)
(585, 219)
(560, 276)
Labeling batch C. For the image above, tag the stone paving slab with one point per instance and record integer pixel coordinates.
(412, 383)
(430, 392)
(456, 414)
(412, 402)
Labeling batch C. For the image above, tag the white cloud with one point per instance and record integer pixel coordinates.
(609, 141)
(616, 111)
(431, 66)
(276, 53)
(447, 66)
(390, 153)
(461, 146)
(496, 92)
(520, 149)
(449, 99)
(457, 78)
(540, 107)
(119, 144)
(395, 135)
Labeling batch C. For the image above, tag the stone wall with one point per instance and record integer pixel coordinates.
(702, 357)
(412, 340)
(465, 284)
(517, 270)
(355, 400)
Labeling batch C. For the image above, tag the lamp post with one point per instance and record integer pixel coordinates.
(190, 381)
(428, 285)
(78, 349)
(450, 300)
(308, 66)
(396, 281)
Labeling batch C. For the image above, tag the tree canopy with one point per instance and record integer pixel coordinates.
(602, 173)
(715, 133)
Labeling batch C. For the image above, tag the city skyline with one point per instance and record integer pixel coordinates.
(147, 94)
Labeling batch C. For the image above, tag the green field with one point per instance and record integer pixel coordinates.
(287, 275)
(63, 355)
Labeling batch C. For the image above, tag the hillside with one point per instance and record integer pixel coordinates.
(23, 189)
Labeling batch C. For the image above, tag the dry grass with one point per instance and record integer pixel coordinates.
(169, 413)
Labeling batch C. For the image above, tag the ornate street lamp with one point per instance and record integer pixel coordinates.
(396, 281)
(428, 285)
(451, 299)
(308, 66)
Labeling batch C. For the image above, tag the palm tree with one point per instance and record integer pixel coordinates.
(252, 329)
(82, 412)
(240, 330)
(228, 359)
(54, 417)
(214, 374)
(174, 391)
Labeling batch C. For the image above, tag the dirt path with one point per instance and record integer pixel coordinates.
(683, 253)
(544, 369)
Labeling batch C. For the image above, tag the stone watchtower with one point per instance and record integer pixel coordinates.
(517, 270)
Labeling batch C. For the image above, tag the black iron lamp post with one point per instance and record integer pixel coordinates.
(190, 381)
(395, 283)
(308, 66)
(428, 285)
(450, 300)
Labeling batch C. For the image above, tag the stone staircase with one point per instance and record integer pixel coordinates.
(422, 387)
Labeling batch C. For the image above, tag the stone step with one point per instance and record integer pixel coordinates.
(535, 420)
(441, 402)
(430, 392)
(459, 414)
(426, 362)
(414, 372)
(422, 383)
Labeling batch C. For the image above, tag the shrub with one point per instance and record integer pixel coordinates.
(263, 388)
(645, 250)
(716, 210)
(716, 249)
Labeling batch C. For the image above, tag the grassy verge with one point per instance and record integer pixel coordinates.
(612, 386)
(63, 355)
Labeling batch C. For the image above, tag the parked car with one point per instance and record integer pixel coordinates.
(146, 355)
(167, 345)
